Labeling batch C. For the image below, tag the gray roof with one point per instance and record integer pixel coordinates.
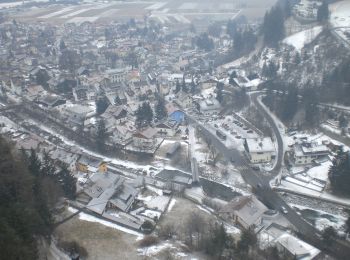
(247, 208)
(124, 198)
(109, 188)
(99, 182)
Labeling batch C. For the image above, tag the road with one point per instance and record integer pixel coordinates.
(272, 123)
(262, 188)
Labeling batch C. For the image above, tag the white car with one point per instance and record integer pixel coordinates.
(284, 210)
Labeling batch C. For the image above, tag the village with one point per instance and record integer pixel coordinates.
(144, 119)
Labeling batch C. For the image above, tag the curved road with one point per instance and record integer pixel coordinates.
(279, 139)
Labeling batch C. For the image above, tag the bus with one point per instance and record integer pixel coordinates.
(221, 135)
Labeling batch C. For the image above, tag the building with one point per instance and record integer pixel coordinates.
(174, 113)
(294, 248)
(107, 191)
(308, 152)
(184, 100)
(91, 165)
(66, 158)
(259, 150)
(146, 139)
(50, 101)
(173, 149)
(77, 114)
(246, 211)
(209, 106)
(116, 75)
(167, 128)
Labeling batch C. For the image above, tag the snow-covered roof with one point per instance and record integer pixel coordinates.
(297, 247)
(247, 208)
(256, 145)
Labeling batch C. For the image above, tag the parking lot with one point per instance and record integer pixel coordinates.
(234, 131)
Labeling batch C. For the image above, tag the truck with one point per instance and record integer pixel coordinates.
(221, 135)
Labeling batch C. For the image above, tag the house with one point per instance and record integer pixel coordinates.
(107, 191)
(27, 142)
(173, 149)
(122, 134)
(118, 113)
(84, 92)
(294, 248)
(116, 75)
(174, 113)
(64, 157)
(209, 106)
(167, 128)
(34, 91)
(259, 150)
(175, 180)
(50, 101)
(246, 211)
(145, 139)
(77, 114)
(184, 100)
(91, 165)
(308, 152)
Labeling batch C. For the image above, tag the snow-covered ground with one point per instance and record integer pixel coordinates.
(331, 129)
(321, 219)
(340, 19)
(10, 5)
(158, 203)
(340, 14)
(300, 39)
(320, 172)
(305, 190)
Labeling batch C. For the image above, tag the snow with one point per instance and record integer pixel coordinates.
(171, 204)
(158, 203)
(90, 218)
(153, 250)
(10, 5)
(331, 129)
(151, 214)
(232, 229)
(203, 209)
(320, 172)
(144, 198)
(154, 189)
(321, 223)
(340, 14)
(306, 191)
(300, 39)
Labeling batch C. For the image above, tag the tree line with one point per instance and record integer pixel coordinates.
(29, 189)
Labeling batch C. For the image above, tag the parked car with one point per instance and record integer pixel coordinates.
(284, 210)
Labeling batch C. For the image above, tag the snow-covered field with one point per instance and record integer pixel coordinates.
(340, 14)
(300, 39)
(321, 219)
(10, 5)
(320, 172)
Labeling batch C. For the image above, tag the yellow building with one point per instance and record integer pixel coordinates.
(91, 165)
